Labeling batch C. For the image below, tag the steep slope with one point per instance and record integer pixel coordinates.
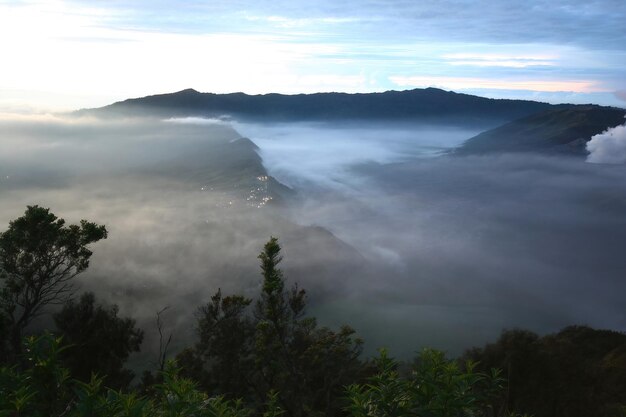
(210, 157)
(561, 130)
(232, 166)
(428, 105)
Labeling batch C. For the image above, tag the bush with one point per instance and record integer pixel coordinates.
(436, 387)
(45, 389)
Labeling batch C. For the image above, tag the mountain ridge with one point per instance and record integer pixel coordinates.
(429, 105)
(556, 131)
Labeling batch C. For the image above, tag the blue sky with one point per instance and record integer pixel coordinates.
(68, 54)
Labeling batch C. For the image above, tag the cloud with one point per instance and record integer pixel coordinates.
(379, 231)
(621, 94)
(499, 60)
(482, 21)
(608, 147)
(303, 22)
(454, 83)
(267, 46)
(178, 203)
(314, 154)
(456, 248)
(195, 120)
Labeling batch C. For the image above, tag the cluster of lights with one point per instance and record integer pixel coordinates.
(258, 196)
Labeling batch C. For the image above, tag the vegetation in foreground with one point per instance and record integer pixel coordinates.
(264, 357)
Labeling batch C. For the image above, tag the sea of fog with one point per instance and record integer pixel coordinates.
(387, 233)
(458, 247)
(313, 155)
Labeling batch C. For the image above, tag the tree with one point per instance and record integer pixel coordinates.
(226, 341)
(99, 341)
(39, 257)
(307, 365)
(281, 333)
(576, 372)
(276, 352)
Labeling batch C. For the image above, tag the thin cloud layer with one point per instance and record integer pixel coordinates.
(305, 47)
(553, 22)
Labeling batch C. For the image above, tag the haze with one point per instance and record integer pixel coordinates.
(379, 221)
(381, 226)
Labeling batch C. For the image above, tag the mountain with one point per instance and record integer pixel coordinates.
(210, 157)
(428, 105)
(564, 130)
(223, 165)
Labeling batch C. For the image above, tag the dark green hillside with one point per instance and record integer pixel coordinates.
(428, 105)
(562, 130)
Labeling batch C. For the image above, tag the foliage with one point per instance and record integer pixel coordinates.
(225, 338)
(45, 389)
(307, 365)
(39, 256)
(576, 372)
(42, 389)
(273, 357)
(276, 352)
(436, 387)
(99, 341)
(273, 408)
(5, 328)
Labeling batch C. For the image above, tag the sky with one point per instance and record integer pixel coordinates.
(64, 55)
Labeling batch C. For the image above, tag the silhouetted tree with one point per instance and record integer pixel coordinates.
(576, 372)
(281, 333)
(99, 341)
(39, 257)
(276, 352)
(226, 341)
(5, 330)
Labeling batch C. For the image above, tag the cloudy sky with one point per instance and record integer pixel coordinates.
(58, 55)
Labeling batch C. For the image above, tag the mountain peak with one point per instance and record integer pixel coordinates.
(188, 91)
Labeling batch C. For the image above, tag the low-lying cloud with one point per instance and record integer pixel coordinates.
(459, 248)
(608, 147)
(409, 248)
(322, 154)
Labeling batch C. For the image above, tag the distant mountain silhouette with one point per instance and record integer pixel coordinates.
(560, 130)
(428, 105)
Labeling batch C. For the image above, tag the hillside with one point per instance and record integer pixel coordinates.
(561, 130)
(428, 105)
(232, 166)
